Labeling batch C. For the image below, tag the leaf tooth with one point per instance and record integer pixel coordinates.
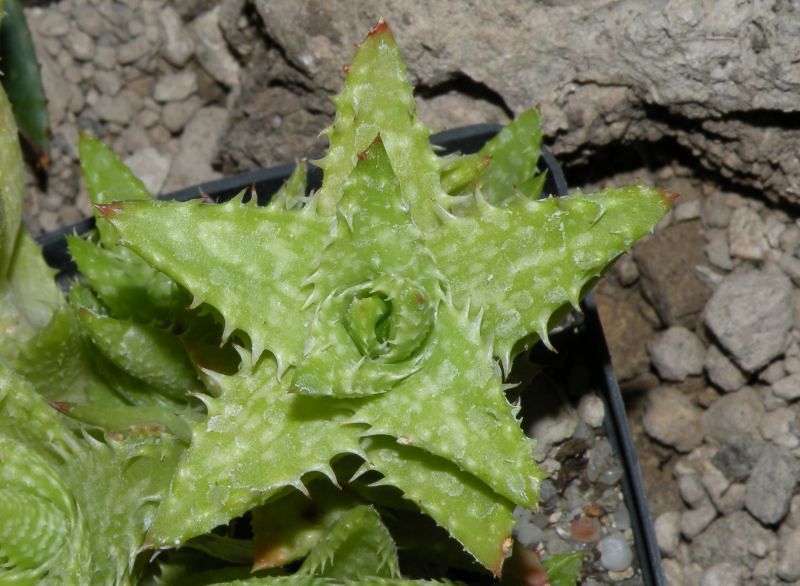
(226, 332)
(298, 484)
(542, 331)
(237, 199)
(480, 200)
(212, 379)
(505, 358)
(575, 298)
(443, 214)
(310, 207)
(196, 302)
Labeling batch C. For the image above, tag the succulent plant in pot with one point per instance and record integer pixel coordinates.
(282, 393)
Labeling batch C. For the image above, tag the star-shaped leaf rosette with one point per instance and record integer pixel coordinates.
(378, 315)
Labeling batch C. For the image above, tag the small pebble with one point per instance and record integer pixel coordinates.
(603, 466)
(615, 553)
(584, 529)
(591, 410)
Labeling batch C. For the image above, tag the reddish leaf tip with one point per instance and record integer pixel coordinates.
(670, 197)
(379, 28)
(108, 209)
(61, 406)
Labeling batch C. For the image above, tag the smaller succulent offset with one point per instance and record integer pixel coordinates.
(344, 352)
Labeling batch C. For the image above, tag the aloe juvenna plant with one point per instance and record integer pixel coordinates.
(317, 369)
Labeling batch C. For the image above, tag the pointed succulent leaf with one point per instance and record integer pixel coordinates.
(145, 352)
(132, 420)
(28, 296)
(471, 512)
(57, 363)
(222, 547)
(129, 287)
(461, 172)
(522, 263)
(453, 406)
(11, 190)
(376, 288)
(258, 440)
(564, 569)
(356, 547)
(514, 154)
(247, 262)
(287, 528)
(292, 194)
(23, 82)
(91, 531)
(377, 99)
(108, 180)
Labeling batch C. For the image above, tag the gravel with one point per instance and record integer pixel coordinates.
(750, 314)
(677, 353)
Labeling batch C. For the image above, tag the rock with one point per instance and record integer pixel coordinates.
(53, 24)
(134, 50)
(774, 227)
(790, 265)
(770, 486)
(615, 553)
(178, 45)
(730, 538)
(175, 115)
(592, 410)
(175, 87)
(551, 429)
(717, 250)
(454, 109)
(750, 314)
(212, 51)
(105, 57)
(735, 415)
(668, 532)
(603, 466)
(80, 45)
(677, 354)
(151, 167)
(788, 560)
(790, 239)
(695, 521)
(626, 270)
(668, 281)
(674, 571)
(625, 327)
(687, 210)
(738, 457)
(780, 427)
(722, 372)
(730, 500)
(692, 490)
(672, 419)
(788, 388)
(108, 82)
(772, 373)
(56, 88)
(716, 212)
(746, 236)
(198, 148)
(114, 109)
(724, 574)
(89, 20)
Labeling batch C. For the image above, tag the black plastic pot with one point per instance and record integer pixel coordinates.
(585, 336)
